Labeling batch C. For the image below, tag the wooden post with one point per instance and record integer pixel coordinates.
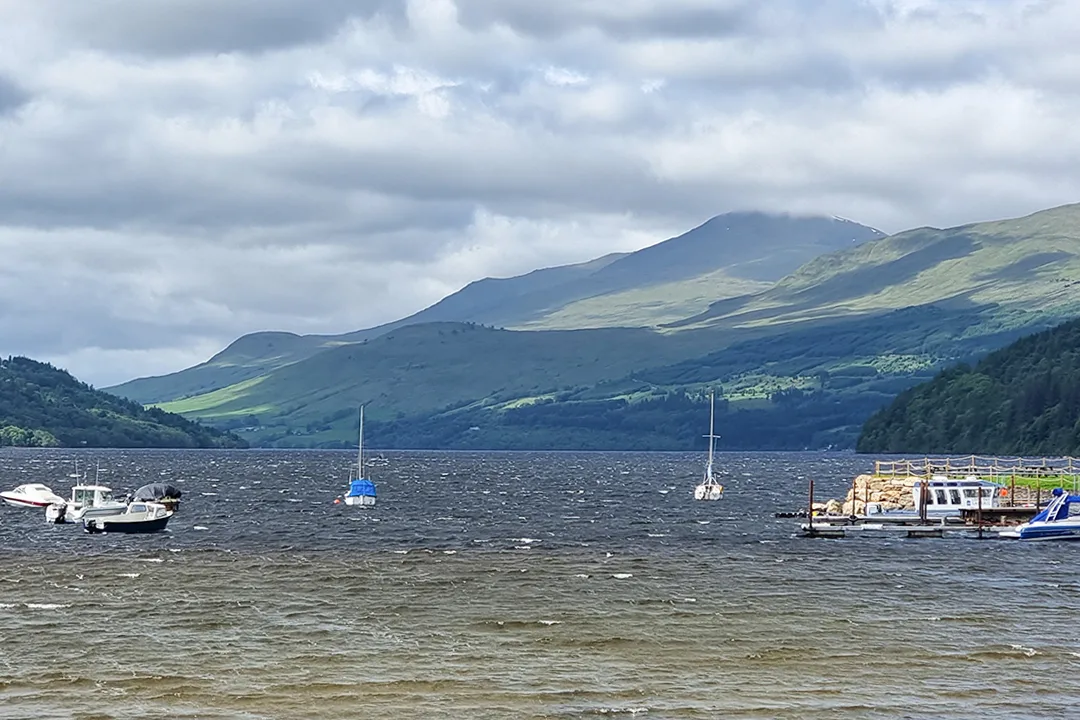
(853, 497)
(810, 507)
(1012, 490)
(924, 490)
(978, 514)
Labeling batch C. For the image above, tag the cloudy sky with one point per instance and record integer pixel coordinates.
(176, 173)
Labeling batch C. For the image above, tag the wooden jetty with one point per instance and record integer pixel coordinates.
(980, 521)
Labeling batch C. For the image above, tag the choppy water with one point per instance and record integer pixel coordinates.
(516, 585)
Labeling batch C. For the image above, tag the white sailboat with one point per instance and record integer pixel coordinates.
(709, 488)
(361, 489)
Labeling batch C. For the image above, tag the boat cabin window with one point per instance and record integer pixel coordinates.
(941, 497)
(137, 508)
(954, 496)
(988, 492)
(971, 493)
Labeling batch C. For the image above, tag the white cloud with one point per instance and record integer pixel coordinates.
(176, 178)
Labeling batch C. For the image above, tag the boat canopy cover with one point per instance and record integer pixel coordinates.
(361, 488)
(156, 491)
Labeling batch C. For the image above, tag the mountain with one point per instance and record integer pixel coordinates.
(802, 363)
(1020, 400)
(1024, 264)
(728, 256)
(41, 405)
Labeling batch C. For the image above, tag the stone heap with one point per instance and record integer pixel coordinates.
(892, 493)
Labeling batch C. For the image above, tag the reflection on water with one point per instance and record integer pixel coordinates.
(550, 585)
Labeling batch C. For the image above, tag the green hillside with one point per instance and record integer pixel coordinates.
(801, 364)
(1030, 263)
(1020, 400)
(41, 405)
(728, 256)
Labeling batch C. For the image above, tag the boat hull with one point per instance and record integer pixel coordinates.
(1044, 531)
(361, 500)
(105, 525)
(19, 502)
(707, 492)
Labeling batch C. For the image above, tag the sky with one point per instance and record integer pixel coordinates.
(177, 173)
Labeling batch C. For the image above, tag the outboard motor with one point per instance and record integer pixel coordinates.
(56, 513)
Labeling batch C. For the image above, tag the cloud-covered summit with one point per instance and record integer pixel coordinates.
(177, 173)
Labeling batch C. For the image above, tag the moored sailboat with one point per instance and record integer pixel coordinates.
(709, 488)
(361, 489)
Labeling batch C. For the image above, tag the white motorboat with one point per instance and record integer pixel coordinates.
(31, 495)
(137, 517)
(361, 489)
(87, 501)
(1053, 523)
(709, 488)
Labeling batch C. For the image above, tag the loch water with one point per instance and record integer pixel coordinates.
(515, 585)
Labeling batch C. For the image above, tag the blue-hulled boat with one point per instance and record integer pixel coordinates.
(361, 489)
(1053, 523)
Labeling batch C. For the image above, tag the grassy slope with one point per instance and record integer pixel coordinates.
(648, 306)
(1025, 263)
(426, 368)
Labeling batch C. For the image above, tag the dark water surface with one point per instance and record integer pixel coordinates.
(515, 585)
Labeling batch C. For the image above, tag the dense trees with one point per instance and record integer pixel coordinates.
(43, 406)
(1022, 400)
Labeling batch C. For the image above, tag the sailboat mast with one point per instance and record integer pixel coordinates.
(712, 435)
(360, 448)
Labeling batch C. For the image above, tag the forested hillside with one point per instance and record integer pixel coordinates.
(43, 406)
(1021, 400)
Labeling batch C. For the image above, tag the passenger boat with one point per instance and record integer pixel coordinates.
(945, 497)
(709, 488)
(361, 489)
(31, 495)
(137, 517)
(1053, 523)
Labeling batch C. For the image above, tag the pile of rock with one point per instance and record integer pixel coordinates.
(891, 493)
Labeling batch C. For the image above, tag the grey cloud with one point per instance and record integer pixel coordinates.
(12, 95)
(182, 27)
(622, 20)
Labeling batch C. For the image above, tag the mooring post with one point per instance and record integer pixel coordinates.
(978, 514)
(924, 490)
(853, 491)
(810, 507)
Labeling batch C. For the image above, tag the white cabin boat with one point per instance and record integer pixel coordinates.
(31, 495)
(946, 496)
(87, 501)
(709, 488)
(137, 517)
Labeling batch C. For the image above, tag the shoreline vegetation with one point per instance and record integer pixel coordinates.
(44, 406)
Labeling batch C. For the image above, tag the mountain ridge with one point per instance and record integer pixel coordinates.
(519, 301)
